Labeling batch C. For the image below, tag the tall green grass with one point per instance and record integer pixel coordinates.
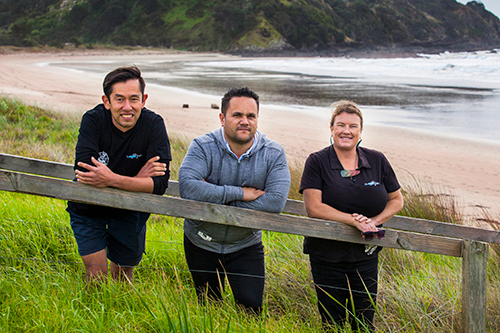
(34, 132)
(42, 288)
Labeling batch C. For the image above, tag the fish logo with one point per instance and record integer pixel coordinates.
(372, 183)
(134, 156)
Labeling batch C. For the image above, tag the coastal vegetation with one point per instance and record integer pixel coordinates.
(243, 26)
(42, 286)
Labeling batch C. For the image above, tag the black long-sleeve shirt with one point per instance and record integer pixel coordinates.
(125, 153)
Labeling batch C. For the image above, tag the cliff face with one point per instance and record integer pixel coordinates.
(251, 25)
(490, 19)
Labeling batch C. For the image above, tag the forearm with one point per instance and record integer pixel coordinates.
(317, 209)
(326, 212)
(194, 175)
(268, 202)
(276, 188)
(394, 205)
(201, 190)
(390, 210)
(133, 184)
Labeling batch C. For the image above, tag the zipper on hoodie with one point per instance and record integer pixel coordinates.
(235, 181)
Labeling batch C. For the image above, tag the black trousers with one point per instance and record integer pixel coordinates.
(342, 290)
(244, 270)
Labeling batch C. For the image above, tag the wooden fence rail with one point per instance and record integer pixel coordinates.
(31, 176)
(65, 171)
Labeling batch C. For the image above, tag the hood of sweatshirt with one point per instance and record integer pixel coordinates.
(259, 141)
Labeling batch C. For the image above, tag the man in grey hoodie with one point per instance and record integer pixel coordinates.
(234, 165)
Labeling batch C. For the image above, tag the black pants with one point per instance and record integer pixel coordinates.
(342, 286)
(244, 270)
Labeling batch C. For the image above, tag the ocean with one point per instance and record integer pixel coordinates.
(450, 94)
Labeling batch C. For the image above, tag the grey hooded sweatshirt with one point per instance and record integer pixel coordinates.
(211, 172)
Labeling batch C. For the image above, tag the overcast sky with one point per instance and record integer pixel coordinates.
(490, 5)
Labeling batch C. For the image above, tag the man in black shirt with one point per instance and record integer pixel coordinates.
(121, 144)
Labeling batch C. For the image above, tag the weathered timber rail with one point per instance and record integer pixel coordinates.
(65, 171)
(50, 179)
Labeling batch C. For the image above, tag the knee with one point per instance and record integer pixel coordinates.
(252, 302)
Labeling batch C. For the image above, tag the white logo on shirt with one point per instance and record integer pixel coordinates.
(204, 236)
(103, 157)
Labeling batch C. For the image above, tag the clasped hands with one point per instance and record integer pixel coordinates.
(363, 223)
(100, 175)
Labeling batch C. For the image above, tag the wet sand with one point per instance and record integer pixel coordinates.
(466, 169)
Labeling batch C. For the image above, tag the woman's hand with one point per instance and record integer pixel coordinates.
(363, 223)
(317, 209)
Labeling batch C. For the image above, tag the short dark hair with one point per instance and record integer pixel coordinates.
(240, 92)
(122, 74)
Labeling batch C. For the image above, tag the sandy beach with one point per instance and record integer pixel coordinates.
(463, 168)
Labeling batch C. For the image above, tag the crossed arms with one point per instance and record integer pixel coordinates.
(100, 175)
(195, 174)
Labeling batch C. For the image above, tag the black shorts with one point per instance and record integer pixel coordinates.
(124, 238)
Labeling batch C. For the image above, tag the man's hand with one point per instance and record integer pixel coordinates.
(152, 168)
(99, 175)
(250, 193)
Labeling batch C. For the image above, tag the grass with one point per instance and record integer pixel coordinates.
(430, 203)
(41, 276)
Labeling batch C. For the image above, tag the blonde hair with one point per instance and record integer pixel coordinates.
(347, 107)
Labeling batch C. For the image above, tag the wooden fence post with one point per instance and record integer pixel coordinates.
(475, 259)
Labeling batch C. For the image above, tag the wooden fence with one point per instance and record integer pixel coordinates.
(50, 179)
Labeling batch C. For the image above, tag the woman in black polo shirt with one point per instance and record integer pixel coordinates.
(356, 186)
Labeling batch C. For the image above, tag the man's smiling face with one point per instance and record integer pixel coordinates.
(125, 104)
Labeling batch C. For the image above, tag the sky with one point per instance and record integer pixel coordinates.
(490, 5)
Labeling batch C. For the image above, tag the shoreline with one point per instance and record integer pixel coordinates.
(348, 51)
(465, 169)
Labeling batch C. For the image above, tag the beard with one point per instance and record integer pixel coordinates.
(240, 138)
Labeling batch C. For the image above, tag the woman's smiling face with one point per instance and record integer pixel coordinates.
(346, 131)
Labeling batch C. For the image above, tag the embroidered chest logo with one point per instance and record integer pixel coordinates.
(134, 156)
(103, 157)
(372, 183)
